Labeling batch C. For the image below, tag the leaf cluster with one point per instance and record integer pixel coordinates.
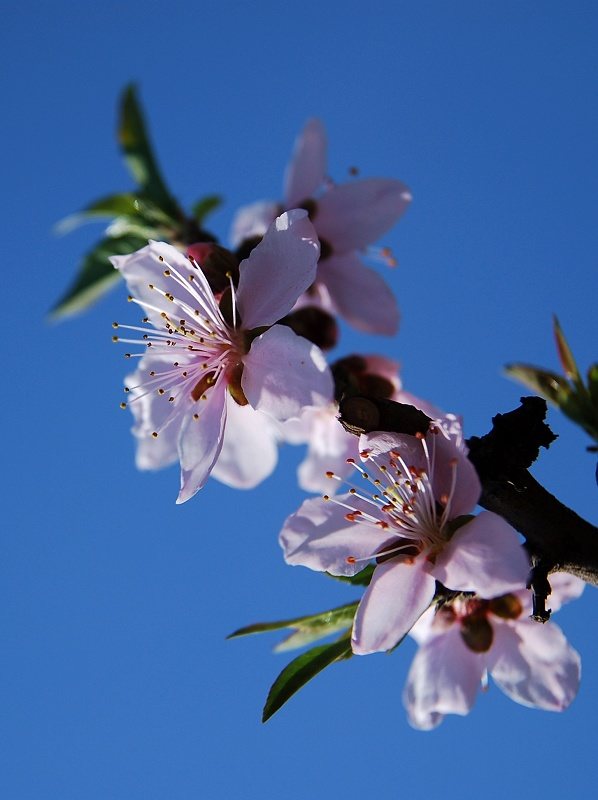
(576, 398)
(149, 212)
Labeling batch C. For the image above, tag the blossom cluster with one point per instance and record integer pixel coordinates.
(233, 364)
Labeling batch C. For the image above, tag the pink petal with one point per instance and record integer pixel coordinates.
(379, 444)
(320, 537)
(284, 373)
(144, 268)
(253, 220)
(353, 215)
(448, 449)
(250, 447)
(430, 625)
(484, 556)
(412, 400)
(444, 679)
(153, 412)
(565, 588)
(361, 296)
(397, 596)
(534, 664)
(201, 440)
(307, 169)
(329, 448)
(279, 269)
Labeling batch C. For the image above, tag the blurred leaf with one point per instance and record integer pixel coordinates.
(206, 206)
(582, 410)
(565, 354)
(306, 629)
(127, 205)
(301, 670)
(548, 384)
(123, 226)
(362, 578)
(576, 400)
(139, 154)
(593, 383)
(114, 205)
(96, 274)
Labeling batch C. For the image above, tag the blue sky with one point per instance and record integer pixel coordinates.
(117, 679)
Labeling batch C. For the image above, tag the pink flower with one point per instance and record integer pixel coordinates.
(404, 515)
(348, 218)
(460, 643)
(329, 446)
(202, 359)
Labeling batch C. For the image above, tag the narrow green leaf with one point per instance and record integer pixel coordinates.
(550, 385)
(304, 636)
(96, 274)
(206, 206)
(139, 154)
(321, 624)
(114, 205)
(565, 354)
(593, 384)
(127, 205)
(582, 410)
(362, 578)
(301, 670)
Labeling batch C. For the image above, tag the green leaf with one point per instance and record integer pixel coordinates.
(593, 384)
(139, 154)
(206, 206)
(114, 205)
(362, 578)
(583, 410)
(301, 670)
(127, 205)
(96, 274)
(565, 354)
(306, 629)
(550, 385)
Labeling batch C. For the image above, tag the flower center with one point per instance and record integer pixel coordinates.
(472, 614)
(188, 354)
(401, 500)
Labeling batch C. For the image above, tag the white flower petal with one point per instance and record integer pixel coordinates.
(534, 664)
(359, 294)
(329, 447)
(284, 373)
(444, 679)
(278, 270)
(351, 216)
(144, 268)
(565, 588)
(250, 447)
(484, 556)
(320, 537)
(253, 220)
(307, 169)
(398, 595)
(201, 440)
